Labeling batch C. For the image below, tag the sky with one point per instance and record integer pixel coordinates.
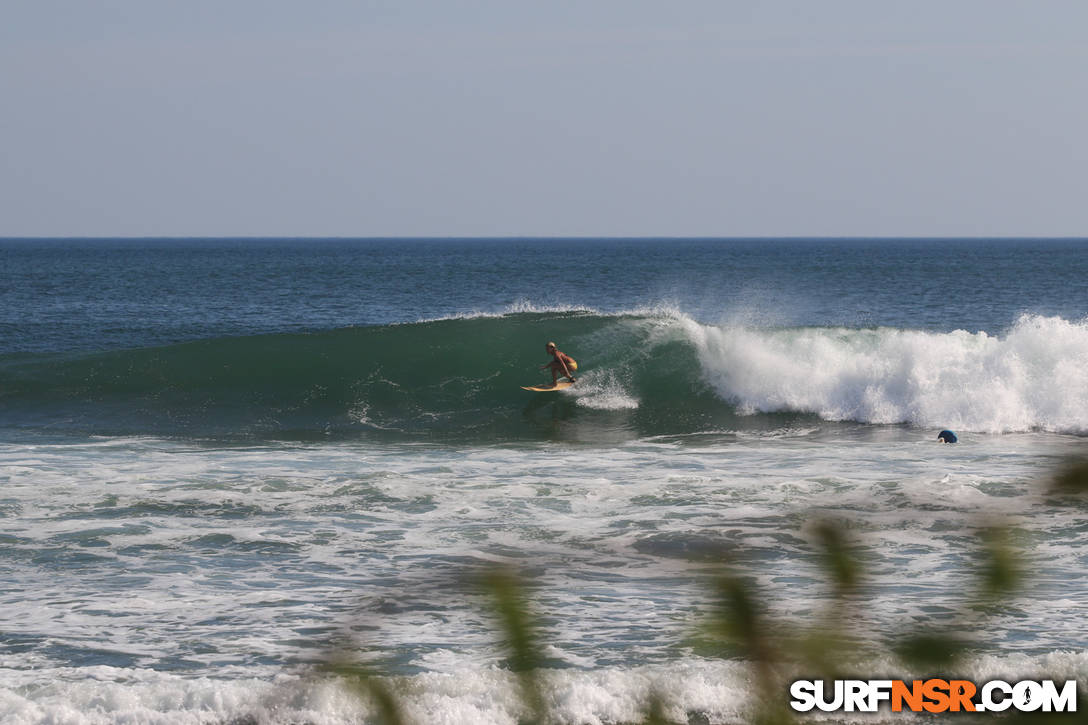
(559, 118)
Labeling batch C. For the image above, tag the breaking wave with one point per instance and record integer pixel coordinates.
(652, 372)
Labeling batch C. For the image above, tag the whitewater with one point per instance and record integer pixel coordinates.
(1033, 378)
(225, 466)
(681, 375)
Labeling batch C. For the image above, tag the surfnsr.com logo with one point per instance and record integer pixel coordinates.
(933, 695)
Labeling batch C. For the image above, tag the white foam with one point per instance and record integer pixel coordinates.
(101, 695)
(488, 696)
(658, 311)
(519, 307)
(603, 391)
(1034, 378)
(260, 555)
(718, 690)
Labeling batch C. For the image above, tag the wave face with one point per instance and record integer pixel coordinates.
(653, 372)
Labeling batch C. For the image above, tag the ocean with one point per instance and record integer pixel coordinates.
(228, 463)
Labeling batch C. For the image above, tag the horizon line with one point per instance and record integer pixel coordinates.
(534, 237)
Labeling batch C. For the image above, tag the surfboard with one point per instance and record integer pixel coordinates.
(561, 385)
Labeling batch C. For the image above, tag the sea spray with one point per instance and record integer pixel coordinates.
(462, 377)
(1034, 378)
(604, 391)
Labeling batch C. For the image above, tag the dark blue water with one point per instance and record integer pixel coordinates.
(306, 339)
(223, 461)
(66, 295)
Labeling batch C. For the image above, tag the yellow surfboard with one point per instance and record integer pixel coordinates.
(561, 385)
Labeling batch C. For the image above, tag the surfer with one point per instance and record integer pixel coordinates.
(561, 364)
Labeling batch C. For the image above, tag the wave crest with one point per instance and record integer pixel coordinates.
(1035, 378)
(655, 371)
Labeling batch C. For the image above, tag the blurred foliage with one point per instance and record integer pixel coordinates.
(375, 690)
(510, 606)
(838, 557)
(1001, 570)
(1072, 479)
(655, 710)
(931, 651)
(740, 626)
